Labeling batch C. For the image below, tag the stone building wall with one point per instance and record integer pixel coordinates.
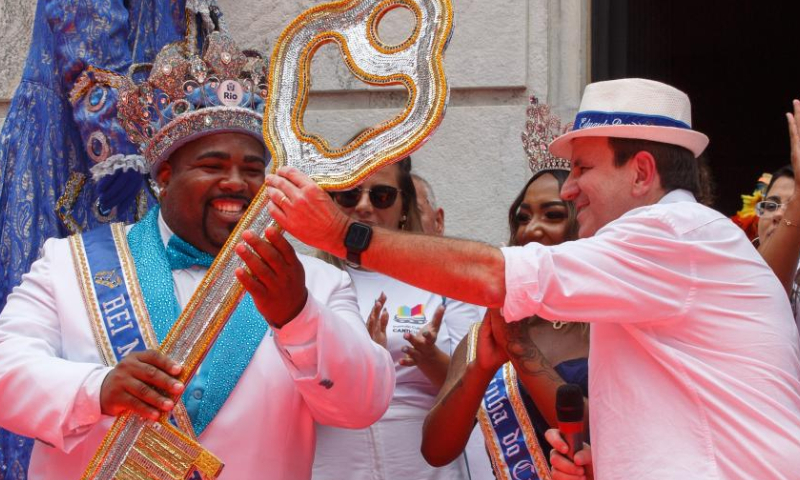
(501, 52)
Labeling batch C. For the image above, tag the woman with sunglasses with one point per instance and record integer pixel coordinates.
(481, 384)
(779, 218)
(420, 330)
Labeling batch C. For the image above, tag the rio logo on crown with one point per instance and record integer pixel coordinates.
(413, 316)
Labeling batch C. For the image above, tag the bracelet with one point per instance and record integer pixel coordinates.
(790, 224)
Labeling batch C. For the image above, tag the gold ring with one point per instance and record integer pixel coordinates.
(280, 204)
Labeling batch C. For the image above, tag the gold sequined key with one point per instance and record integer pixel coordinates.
(140, 449)
(159, 452)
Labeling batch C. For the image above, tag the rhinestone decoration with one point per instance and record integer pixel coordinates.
(98, 149)
(97, 98)
(541, 129)
(183, 84)
(416, 64)
(199, 70)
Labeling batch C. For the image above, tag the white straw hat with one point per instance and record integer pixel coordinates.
(633, 108)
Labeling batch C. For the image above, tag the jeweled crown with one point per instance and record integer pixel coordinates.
(188, 93)
(541, 128)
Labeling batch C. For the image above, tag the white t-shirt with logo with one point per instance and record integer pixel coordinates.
(409, 310)
(390, 449)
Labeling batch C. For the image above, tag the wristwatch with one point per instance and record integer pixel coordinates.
(356, 241)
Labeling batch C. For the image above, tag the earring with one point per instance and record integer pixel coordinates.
(403, 222)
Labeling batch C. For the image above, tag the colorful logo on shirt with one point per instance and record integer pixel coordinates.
(413, 316)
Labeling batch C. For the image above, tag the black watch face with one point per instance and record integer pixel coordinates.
(358, 236)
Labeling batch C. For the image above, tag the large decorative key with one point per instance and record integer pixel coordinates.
(137, 448)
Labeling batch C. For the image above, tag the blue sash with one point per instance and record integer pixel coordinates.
(117, 312)
(507, 429)
(233, 349)
(122, 328)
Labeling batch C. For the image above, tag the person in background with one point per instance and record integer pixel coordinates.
(779, 218)
(418, 328)
(543, 355)
(747, 218)
(430, 214)
(432, 219)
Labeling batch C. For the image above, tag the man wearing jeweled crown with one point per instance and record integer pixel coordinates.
(77, 338)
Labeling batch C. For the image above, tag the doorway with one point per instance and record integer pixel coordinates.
(739, 62)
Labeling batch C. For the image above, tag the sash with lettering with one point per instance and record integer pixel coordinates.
(114, 301)
(507, 429)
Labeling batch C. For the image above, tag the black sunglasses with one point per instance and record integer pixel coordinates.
(380, 196)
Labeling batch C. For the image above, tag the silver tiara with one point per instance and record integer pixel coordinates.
(541, 128)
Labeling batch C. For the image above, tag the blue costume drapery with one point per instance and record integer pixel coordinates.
(44, 165)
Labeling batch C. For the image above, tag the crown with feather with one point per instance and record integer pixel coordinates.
(541, 128)
(189, 93)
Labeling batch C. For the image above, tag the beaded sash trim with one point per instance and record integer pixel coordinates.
(507, 429)
(112, 297)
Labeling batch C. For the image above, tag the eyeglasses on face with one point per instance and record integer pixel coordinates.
(767, 208)
(380, 196)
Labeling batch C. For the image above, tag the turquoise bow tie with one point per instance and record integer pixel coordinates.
(182, 254)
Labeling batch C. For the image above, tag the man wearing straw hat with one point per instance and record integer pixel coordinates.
(695, 359)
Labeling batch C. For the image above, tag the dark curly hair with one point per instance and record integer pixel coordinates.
(572, 215)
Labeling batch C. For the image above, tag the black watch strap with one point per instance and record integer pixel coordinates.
(356, 241)
(354, 258)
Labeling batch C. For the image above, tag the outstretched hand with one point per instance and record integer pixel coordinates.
(793, 121)
(306, 211)
(144, 383)
(275, 278)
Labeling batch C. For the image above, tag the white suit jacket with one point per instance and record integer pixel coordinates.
(51, 375)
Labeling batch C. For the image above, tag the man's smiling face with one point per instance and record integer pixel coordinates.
(600, 190)
(208, 184)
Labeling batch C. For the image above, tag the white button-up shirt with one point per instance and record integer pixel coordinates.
(694, 361)
(320, 367)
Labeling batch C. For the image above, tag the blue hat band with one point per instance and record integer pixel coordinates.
(592, 119)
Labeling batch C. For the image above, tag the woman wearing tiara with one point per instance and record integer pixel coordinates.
(502, 366)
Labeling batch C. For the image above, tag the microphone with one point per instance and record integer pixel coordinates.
(569, 411)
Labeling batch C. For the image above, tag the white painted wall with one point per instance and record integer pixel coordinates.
(501, 52)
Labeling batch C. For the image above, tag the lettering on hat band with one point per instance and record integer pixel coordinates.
(592, 119)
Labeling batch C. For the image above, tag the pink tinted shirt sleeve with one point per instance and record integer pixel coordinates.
(632, 266)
